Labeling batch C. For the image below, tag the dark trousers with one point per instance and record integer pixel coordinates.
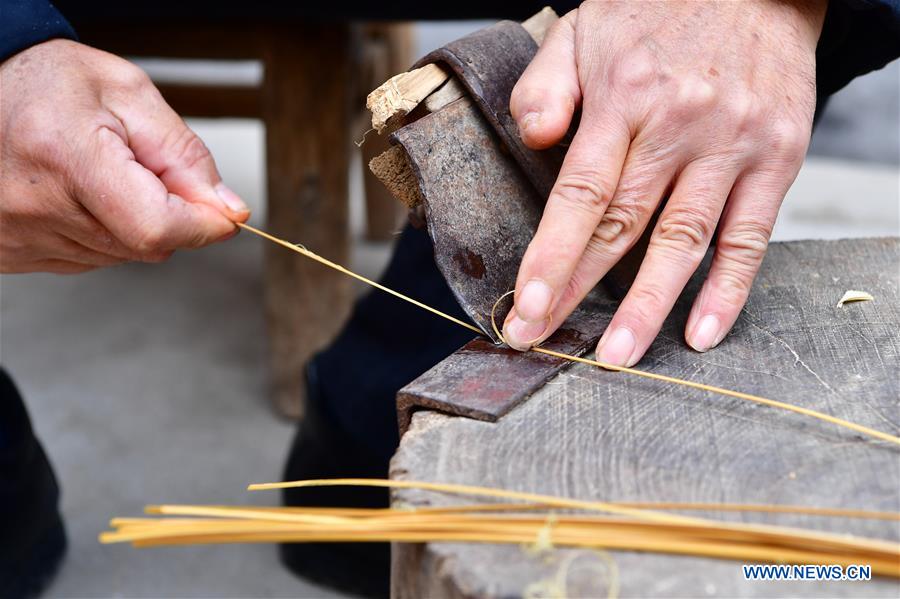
(32, 539)
(386, 344)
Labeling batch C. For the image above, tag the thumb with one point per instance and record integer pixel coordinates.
(164, 144)
(546, 95)
(137, 208)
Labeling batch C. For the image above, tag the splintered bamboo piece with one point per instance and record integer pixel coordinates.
(854, 296)
(400, 94)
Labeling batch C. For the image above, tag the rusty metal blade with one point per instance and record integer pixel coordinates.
(480, 209)
(485, 381)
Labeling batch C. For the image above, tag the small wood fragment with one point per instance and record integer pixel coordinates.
(852, 295)
(400, 94)
(539, 24)
(452, 90)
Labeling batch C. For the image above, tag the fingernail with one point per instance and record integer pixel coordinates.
(522, 335)
(231, 199)
(617, 348)
(533, 303)
(706, 333)
(529, 121)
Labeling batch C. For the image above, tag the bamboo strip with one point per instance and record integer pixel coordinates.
(300, 249)
(571, 527)
(575, 532)
(512, 507)
(550, 500)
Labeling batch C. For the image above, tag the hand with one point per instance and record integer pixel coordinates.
(97, 169)
(707, 103)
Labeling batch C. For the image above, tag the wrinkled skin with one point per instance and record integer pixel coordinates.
(707, 103)
(97, 169)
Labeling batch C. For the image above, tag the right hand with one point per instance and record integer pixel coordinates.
(97, 169)
(708, 104)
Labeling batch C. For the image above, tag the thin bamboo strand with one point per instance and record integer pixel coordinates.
(764, 508)
(248, 513)
(834, 512)
(300, 249)
(551, 500)
(478, 491)
(569, 528)
(728, 392)
(651, 540)
(887, 567)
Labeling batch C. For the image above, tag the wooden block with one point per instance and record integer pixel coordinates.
(593, 434)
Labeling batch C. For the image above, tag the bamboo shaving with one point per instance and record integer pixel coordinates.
(854, 296)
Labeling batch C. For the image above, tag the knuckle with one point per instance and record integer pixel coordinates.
(686, 230)
(38, 135)
(693, 97)
(743, 112)
(733, 285)
(740, 251)
(149, 240)
(789, 140)
(637, 70)
(622, 220)
(132, 77)
(583, 190)
(649, 301)
(745, 243)
(574, 290)
(188, 150)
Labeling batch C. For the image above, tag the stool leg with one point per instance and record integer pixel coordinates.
(305, 109)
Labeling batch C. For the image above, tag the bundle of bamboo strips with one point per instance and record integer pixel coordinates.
(634, 526)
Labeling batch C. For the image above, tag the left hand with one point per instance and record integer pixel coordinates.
(707, 103)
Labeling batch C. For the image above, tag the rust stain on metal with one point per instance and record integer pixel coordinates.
(470, 263)
(484, 381)
(481, 211)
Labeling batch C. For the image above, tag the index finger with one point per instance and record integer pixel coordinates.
(583, 190)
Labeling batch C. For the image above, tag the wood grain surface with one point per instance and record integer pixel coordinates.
(593, 434)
